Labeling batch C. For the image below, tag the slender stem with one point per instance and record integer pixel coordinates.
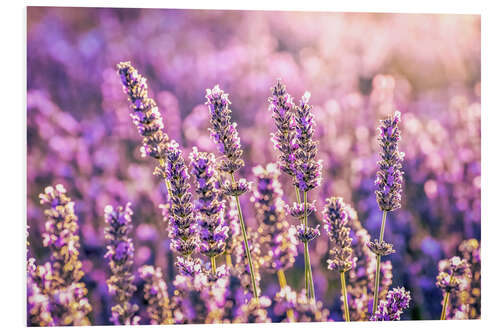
(283, 284)
(229, 262)
(307, 258)
(445, 304)
(344, 294)
(377, 274)
(247, 248)
(214, 264)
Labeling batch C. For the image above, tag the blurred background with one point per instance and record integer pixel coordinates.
(358, 67)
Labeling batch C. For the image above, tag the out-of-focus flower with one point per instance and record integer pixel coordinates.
(156, 294)
(335, 218)
(61, 278)
(120, 254)
(398, 299)
(278, 242)
(454, 274)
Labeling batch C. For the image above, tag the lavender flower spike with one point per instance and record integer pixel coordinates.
(145, 114)
(213, 233)
(120, 254)
(64, 271)
(391, 309)
(182, 228)
(227, 140)
(336, 219)
(307, 169)
(389, 181)
(282, 107)
(224, 131)
(307, 176)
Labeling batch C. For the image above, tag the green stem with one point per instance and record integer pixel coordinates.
(377, 274)
(229, 262)
(445, 304)
(307, 258)
(247, 248)
(214, 265)
(344, 294)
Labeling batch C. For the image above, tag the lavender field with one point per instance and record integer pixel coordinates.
(204, 166)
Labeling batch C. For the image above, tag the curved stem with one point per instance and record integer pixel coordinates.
(247, 248)
(377, 274)
(344, 294)
(445, 304)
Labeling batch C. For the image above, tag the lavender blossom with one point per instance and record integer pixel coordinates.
(120, 254)
(398, 299)
(306, 234)
(64, 272)
(156, 294)
(298, 209)
(182, 224)
(213, 233)
(453, 274)
(223, 131)
(470, 250)
(145, 114)
(307, 168)
(277, 240)
(389, 180)
(335, 218)
(282, 107)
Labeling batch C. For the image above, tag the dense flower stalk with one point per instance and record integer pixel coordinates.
(120, 254)
(223, 131)
(282, 107)
(389, 181)
(398, 299)
(182, 224)
(213, 233)
(278, 241)
(61, 277)
(156, 294)
(145, 114)
(335, 218)
(453, 276)
(389, 184)
(307, 173)
(227, 140)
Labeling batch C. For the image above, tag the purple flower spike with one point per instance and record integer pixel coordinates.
(335, 218)
(277, 239)
(389, 181)
(213, 233)
(120, 254)
(182, 223)
(145, 114)
(281, 105)
(307, 168)
(398, 299)
(223, 131)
